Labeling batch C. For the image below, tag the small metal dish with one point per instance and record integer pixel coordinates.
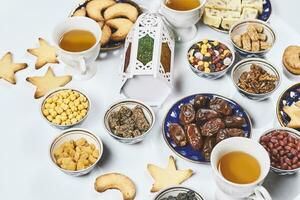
(292, 132)
(241, 27)
(174, 191)
(211, 75)
(111, 45)
(63, 127)
(148, 112)
(74, 134)
(243, 66)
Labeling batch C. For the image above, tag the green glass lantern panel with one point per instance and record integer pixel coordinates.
(145, 49)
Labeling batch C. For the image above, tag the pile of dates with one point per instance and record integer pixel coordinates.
(283, 149)
(205, 123)
(190, 195)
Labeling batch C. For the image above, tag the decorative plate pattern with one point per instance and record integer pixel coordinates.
(172, 116)
(111, 45)
(287, 98)
(265, 16)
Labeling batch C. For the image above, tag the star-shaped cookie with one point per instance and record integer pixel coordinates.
(8, 68)
(45, 54)
(294, 113)
(169, 176)
(47, 82)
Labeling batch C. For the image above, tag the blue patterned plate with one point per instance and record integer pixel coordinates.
(264, 16)
(172, 116)
(287, 98)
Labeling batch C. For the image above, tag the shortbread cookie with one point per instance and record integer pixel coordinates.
(80, 12)
(106, 33)
(167, 177)
(294, 113)
(291, 59)
(116, 181)
(121, 10)
(47, 82)
(45, 54)
(8, 68)
(94, 8)
(122, 26)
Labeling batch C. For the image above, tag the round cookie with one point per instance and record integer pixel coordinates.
(121, 10)
(122, 26)
(291, 59)
(94, 8)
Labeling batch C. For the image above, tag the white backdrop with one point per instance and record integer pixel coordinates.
(26, 171)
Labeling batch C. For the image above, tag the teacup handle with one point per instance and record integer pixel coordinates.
(260, 193)
(82, 65)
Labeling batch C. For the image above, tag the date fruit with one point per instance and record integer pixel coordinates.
(187, 114)
(234, 121)
(194, 137)
(204, 115)
(208, 146)
(200, 101)
(212, 127)
(177, 134)
(220, 106)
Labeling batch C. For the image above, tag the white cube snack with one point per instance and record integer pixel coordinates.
(256, 4)
(212, 17)
(147, 70)
(249, 13)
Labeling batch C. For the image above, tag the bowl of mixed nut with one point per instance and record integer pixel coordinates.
(210, 58)
(64, 108)
(283, 146)
(255, 78)
(76, 152)
(129, 121)
(252, 38)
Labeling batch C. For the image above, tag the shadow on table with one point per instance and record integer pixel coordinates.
(283, 187)
(106, 155)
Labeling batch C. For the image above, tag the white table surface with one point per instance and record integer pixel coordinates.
(26, 171)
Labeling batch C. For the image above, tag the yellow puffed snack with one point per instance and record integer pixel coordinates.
(66, 107)
(76, 155)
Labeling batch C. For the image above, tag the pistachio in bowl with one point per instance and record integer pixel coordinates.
(64, 108)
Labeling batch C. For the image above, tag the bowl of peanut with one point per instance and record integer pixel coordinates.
(283, 147)
(64, 108)
(76, 151)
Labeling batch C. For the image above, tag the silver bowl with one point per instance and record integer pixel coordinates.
(174, 191)
(63, 127)
(292, 132)
(212, 75)
(241, 27)
(74, 134)
(149, 114)
(244, 65)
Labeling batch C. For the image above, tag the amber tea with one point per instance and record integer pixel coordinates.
(77, 40)
(182, 5)
(239, 167)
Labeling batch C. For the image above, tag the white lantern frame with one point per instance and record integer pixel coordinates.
(144, 73)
